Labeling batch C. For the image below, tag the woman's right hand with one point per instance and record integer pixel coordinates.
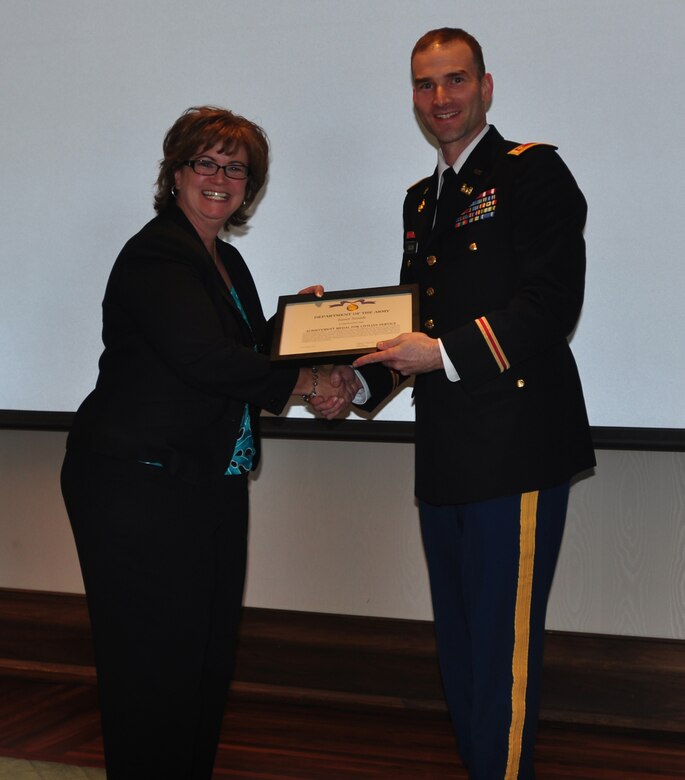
(329, 389)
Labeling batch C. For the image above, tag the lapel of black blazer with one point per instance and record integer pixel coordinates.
(206, 265)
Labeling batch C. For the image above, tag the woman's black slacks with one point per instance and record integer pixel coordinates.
(163, 564)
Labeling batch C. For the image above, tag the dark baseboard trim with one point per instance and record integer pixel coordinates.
(604, 438)
(17, 419)
(364, 662)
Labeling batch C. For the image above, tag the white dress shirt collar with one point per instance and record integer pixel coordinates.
(443, 166)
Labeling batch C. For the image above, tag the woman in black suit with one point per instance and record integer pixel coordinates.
(155, 479)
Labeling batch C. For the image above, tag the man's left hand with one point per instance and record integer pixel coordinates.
(313, 289)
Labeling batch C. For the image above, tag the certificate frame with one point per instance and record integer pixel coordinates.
(342, 324)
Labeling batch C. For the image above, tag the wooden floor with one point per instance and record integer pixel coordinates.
(300, 739)
(322, 697)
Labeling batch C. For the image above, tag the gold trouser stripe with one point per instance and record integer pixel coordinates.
(529, 506)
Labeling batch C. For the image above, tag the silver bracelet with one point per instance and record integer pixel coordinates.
(315, 381)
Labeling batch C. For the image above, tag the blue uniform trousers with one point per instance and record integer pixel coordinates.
(491, 565)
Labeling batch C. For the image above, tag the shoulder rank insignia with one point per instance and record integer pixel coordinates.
(521, 148)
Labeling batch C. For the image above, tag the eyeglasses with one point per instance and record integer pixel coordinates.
(205, 167)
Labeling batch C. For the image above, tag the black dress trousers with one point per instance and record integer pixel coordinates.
(163, 564)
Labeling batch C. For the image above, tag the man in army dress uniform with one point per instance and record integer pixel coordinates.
(494, 240)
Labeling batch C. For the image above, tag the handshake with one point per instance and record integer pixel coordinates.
(329, 390)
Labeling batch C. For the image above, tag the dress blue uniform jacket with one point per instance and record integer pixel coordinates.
(502, 286)
(179, 362)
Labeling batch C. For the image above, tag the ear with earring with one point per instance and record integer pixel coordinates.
(173, 190)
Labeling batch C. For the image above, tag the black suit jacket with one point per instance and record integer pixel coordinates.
(502, 285)
(179, 361)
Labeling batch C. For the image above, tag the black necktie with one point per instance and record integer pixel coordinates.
(447, 202)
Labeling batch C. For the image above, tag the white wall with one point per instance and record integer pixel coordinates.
(334, 529)
(88, 88)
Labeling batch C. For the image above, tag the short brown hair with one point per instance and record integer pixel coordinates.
(201, 128)
(447, 35)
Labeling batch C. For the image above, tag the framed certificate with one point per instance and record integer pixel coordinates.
(343, 323)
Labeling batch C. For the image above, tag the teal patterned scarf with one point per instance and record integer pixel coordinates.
(244, 450)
